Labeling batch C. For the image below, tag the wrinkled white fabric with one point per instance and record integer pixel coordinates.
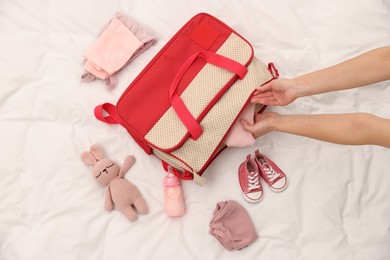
(335, 207)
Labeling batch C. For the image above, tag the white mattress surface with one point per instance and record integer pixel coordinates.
(335, 207)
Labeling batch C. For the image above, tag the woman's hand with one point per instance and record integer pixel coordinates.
(278, 92)
(263, 124)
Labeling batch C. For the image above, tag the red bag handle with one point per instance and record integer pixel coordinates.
(112, 117)
(177, 103)
(185, 175)
(272, 69)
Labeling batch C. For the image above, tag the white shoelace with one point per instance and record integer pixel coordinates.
(253, 181)
(271, 174)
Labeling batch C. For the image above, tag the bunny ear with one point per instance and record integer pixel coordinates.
(129, 161)
(96, 151)
(88, 158)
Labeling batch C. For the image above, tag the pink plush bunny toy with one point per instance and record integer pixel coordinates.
(120, 192)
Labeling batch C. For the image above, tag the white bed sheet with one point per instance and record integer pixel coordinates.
(337, 203)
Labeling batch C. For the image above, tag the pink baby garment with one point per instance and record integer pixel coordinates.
(237, 136)
(232, 226)
(121, 41)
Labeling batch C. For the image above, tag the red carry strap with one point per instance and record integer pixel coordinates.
(177, 103)
(185, 175)
(112, 117)
(272, 69)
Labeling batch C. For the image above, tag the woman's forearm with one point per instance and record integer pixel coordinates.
(368, 68)
(350, 129)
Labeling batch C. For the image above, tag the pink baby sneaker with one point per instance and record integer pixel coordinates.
(249, 177)
(270, 172)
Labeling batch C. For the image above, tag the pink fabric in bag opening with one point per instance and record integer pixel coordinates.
(237, 136)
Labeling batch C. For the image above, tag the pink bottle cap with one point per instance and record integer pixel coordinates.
(171, 179)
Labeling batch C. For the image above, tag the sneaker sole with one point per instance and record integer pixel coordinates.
(281, 189)
(251, 200)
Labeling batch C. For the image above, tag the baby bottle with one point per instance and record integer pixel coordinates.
(173, 195)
